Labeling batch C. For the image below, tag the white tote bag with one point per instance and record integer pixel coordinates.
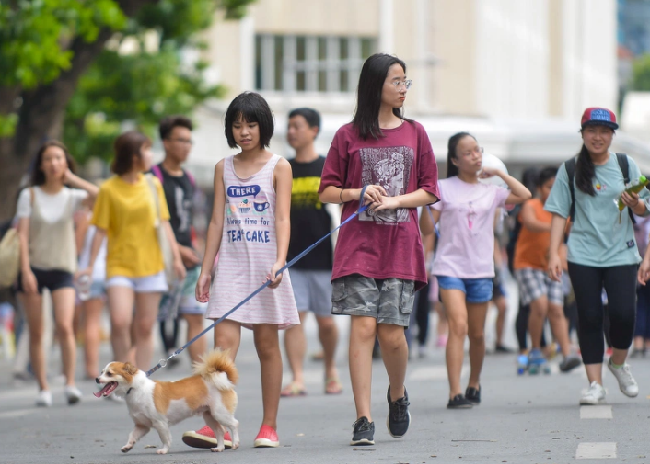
(163, 240)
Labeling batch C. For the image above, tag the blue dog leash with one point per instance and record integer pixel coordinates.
(163, 362)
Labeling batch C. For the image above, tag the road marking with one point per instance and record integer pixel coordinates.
(429, 373)
(434, 373)
(18, 413)
(602, 450)
(597, 411)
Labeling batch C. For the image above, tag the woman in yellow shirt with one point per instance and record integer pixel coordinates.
(126, 212)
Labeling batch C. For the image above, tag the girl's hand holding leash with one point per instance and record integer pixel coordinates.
(202, 290)
(374, 196)
(275, 281)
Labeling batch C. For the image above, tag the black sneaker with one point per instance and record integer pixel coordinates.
(459, 402)
(473, 395)
(364, 432)
(569, 363)
(399, 417)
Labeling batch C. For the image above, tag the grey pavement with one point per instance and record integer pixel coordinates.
(522, 419)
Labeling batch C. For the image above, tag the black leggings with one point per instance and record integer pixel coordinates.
(620, 284)
(522, 328)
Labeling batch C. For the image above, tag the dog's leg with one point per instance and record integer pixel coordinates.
(163, 432)
(229, 422)
(138, 432)
(216, 428)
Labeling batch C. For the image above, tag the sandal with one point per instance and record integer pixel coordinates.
(333, 386)
(293, 389)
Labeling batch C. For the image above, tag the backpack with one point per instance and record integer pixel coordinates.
(570, 166)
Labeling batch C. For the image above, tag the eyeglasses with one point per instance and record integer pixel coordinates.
(398, 84)
(477, 150)
(183, 141)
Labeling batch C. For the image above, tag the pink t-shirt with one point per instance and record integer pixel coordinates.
(466, 244)
(384, 244)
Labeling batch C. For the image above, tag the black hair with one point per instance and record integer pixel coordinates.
(546, 174)
(126, 146)
(251, 107)
(530, 178)
(585, 172)
(311, 116)
(371, 83)
(452, 151)
(168, 124)
(36, 176)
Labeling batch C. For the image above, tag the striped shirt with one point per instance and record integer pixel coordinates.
(248, 252)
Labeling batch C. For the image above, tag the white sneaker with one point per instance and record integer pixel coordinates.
(72, 394)
(44, 398)
(594, 394)
(626, 382)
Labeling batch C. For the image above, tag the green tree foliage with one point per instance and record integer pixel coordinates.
(641, 73)
(56, 54)
(143, 85)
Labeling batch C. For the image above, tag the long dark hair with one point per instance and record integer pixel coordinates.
(36, 177)
(452, 151)
(585, 172)
(371, 82)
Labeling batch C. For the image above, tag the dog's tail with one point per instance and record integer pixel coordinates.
(213, 365)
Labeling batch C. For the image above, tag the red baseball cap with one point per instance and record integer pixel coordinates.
(599, 117)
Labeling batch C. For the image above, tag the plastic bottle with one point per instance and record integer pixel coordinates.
(83, 287)
(634, 188)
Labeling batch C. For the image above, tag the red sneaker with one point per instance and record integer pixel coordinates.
(205, 439)
(267, 438)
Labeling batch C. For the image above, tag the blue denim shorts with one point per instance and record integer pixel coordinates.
(476, 290)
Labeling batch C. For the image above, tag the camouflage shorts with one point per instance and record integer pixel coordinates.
(390, 301)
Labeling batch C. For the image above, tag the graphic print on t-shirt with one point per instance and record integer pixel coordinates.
(389, 167)
(304, 193)
(249, 209)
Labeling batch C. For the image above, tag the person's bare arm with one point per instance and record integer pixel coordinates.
(283, 177)
(530, 221)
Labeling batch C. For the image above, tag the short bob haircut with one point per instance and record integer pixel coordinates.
(251, 107)
(126, 146)
(37, 177)
(168, 124)
(371, 84)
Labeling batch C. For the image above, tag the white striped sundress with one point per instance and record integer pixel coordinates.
(248, 252)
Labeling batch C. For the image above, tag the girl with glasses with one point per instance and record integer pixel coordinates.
(463, 263)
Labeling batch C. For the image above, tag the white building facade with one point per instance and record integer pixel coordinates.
(517, 73)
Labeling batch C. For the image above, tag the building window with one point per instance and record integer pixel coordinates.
(290, 63)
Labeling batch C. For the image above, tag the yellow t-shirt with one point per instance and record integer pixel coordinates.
(128, 214)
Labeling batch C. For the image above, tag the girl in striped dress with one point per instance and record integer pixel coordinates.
(250, 230)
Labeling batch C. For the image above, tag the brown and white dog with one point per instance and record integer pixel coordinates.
(209, 391)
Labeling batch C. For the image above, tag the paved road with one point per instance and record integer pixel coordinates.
(522, 420)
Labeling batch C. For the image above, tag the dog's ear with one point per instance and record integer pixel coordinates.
(130, 368)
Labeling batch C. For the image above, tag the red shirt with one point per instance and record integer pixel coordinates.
(384, 244)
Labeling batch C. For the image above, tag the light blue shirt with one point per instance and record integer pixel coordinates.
(601, 235)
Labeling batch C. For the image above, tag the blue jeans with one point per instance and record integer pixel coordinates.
(476, 290)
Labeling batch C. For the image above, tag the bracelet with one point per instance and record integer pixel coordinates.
(341, 196)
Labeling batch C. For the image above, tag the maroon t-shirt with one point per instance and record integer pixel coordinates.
(381, 244)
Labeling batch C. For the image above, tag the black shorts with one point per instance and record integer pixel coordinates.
(52, 279)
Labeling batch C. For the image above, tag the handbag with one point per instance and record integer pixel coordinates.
(163, 240)
(9, 258)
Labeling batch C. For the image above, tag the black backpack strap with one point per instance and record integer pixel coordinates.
(625, 170)
(570, 167)
(625, 167)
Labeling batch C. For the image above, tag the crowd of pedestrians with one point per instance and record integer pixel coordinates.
(424, 244)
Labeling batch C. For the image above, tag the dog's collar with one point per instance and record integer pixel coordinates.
(129, 390)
